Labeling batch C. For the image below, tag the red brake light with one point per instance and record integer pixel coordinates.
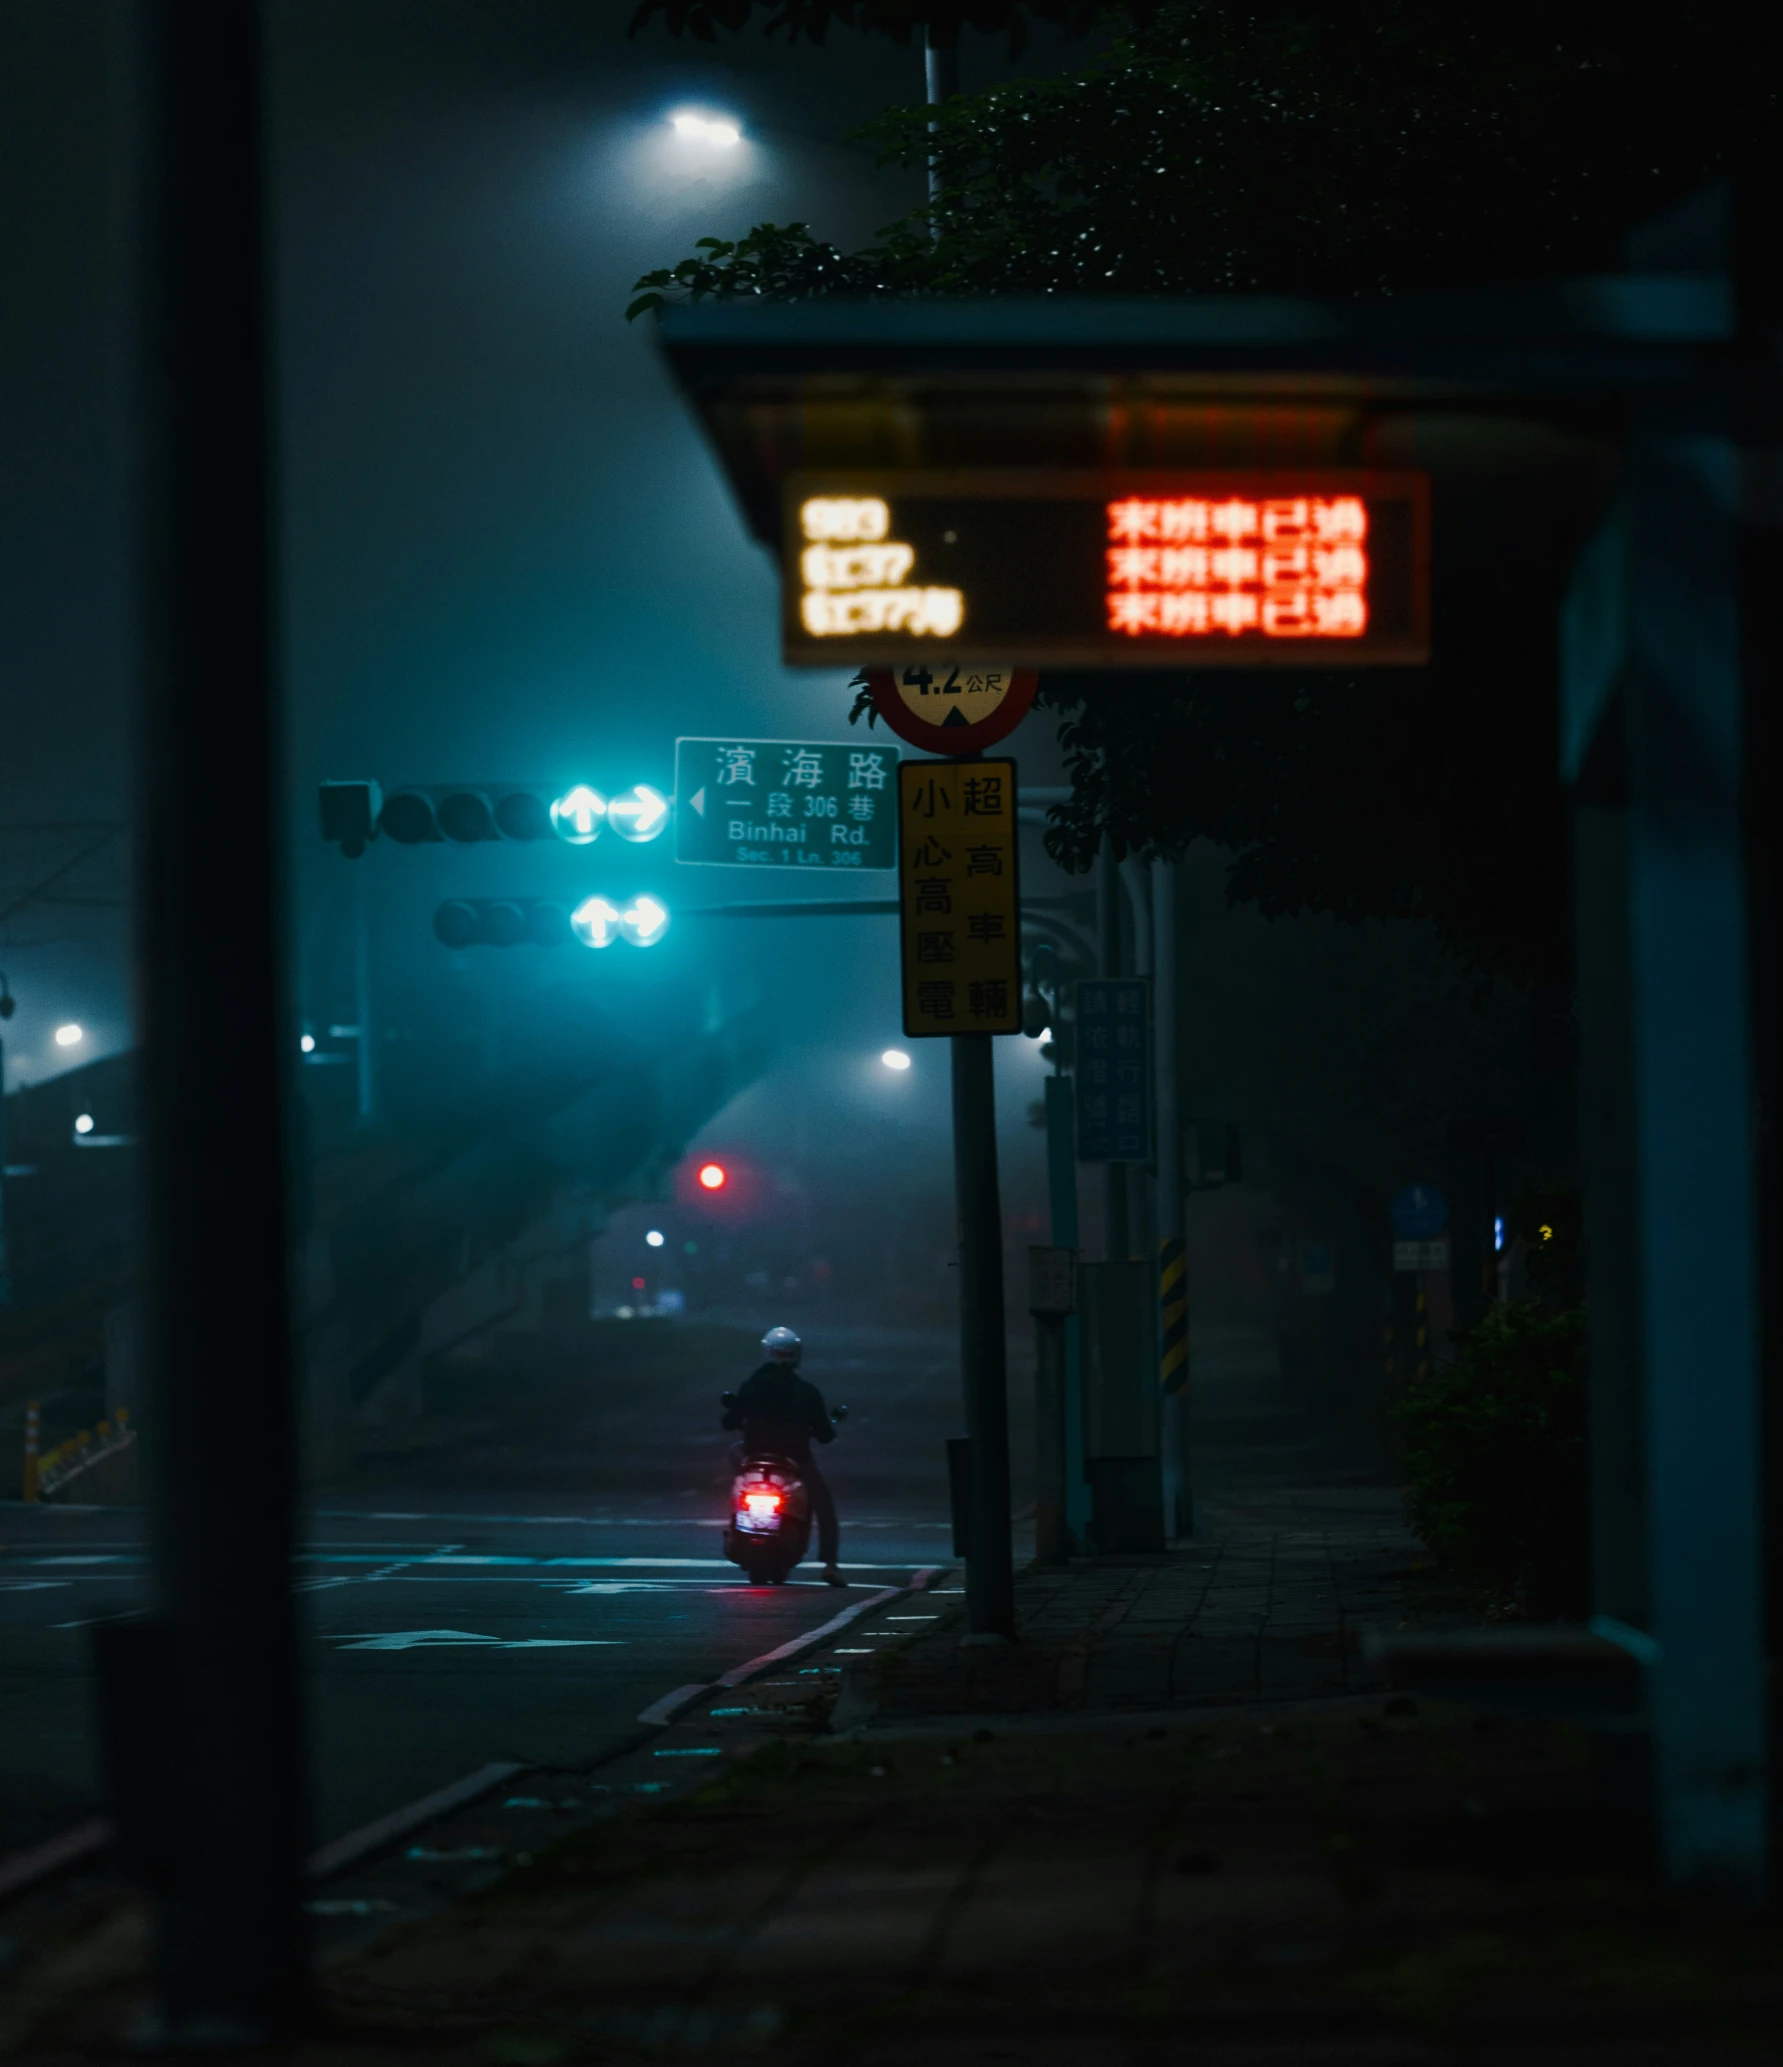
(762, 1503)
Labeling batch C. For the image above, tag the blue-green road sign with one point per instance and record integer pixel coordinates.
(786, 803)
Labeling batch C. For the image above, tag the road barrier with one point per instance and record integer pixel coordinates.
(45, 1476)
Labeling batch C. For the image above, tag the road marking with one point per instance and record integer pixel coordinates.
(419, 1639)
(31, 1585)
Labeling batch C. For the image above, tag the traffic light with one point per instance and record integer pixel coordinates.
(350, 814)
(355, 813)
(544, 922)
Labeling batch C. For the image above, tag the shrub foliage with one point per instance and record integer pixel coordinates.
(1495, 1459)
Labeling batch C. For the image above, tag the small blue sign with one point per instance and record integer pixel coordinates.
(1114, 1070)
(1419, 1212)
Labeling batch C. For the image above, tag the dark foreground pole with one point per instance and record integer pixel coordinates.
(222, 1696)
(990, 1571)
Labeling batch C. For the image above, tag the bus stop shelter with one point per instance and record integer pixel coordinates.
(1597, 454)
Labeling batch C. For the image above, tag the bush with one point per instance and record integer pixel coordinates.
(1495, 1459)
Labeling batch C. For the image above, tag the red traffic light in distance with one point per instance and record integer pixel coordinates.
(713, 1177)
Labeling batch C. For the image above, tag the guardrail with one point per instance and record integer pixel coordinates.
(48, 1473)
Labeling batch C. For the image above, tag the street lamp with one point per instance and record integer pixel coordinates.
(83, 1123)
(654, 1238)
(70, 1036)
(706, 129)
(895, 1059)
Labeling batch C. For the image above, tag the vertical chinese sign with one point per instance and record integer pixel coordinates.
(1114, 1074)
(959, 897)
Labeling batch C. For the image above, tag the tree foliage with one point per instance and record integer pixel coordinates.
(1324, 149)
(898, 19)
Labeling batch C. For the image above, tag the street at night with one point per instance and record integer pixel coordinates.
(890, 1033)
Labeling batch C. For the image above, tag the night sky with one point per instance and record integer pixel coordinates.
(507, 553)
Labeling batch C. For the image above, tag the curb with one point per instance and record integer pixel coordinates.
(661, 1713)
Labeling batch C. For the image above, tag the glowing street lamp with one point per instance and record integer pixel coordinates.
(84, 1123)
(654, 1239)
(578, 815)
(70, 1036)
(895, 1060)
(706, 129)
(712, 1177)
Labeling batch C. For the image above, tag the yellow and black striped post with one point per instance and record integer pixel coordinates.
(1173, 1298)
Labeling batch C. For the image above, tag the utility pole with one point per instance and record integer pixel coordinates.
(1173, 1261)
(1116, 1235)
(941, 80)
(366, 1060)
(208, 1690)
(990, 1569)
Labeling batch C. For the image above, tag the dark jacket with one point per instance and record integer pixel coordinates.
(776, 1409)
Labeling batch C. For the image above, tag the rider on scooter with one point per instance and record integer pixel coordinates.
(779, 1411)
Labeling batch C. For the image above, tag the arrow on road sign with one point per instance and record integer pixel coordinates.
(698, 800)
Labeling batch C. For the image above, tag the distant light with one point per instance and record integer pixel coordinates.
(1546, 1233)
(1498, 1233)
(710, 129)
(70, 1036)
(622, 1313)
(578, 815)
(895, 1058)
(712, 1177)
(308, 1044)
(84, 1124)
(1045, 1034)
(692, 1248)
(639, 813)
(637, 1284)
(644, 921)
(654, 1238)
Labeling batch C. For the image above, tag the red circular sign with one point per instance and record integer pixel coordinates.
(974, 706)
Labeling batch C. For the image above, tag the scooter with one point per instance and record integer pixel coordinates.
(769, 1529)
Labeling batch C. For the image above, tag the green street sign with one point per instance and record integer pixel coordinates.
(786, 803)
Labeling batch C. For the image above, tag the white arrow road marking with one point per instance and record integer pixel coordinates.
(417, 1639)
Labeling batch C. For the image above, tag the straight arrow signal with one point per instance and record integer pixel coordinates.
(640, 814)
(595, 922)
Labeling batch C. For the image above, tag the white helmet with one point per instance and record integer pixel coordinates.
(782, 1346)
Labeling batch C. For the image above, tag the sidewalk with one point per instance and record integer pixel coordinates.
(1176, 1823)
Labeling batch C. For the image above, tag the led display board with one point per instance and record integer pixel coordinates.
(1094, 569)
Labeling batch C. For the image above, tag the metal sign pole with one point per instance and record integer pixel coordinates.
(990, 1569)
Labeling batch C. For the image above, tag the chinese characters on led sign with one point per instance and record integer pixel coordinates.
(959, 899)
(855, 576)
(1042, 568)
(766, 803)
(1291, 567)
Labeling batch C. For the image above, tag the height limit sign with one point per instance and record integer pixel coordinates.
(959, 898)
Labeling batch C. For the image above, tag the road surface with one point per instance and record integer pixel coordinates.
(524, 1599)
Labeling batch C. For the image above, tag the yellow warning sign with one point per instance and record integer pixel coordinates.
(959, 897)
